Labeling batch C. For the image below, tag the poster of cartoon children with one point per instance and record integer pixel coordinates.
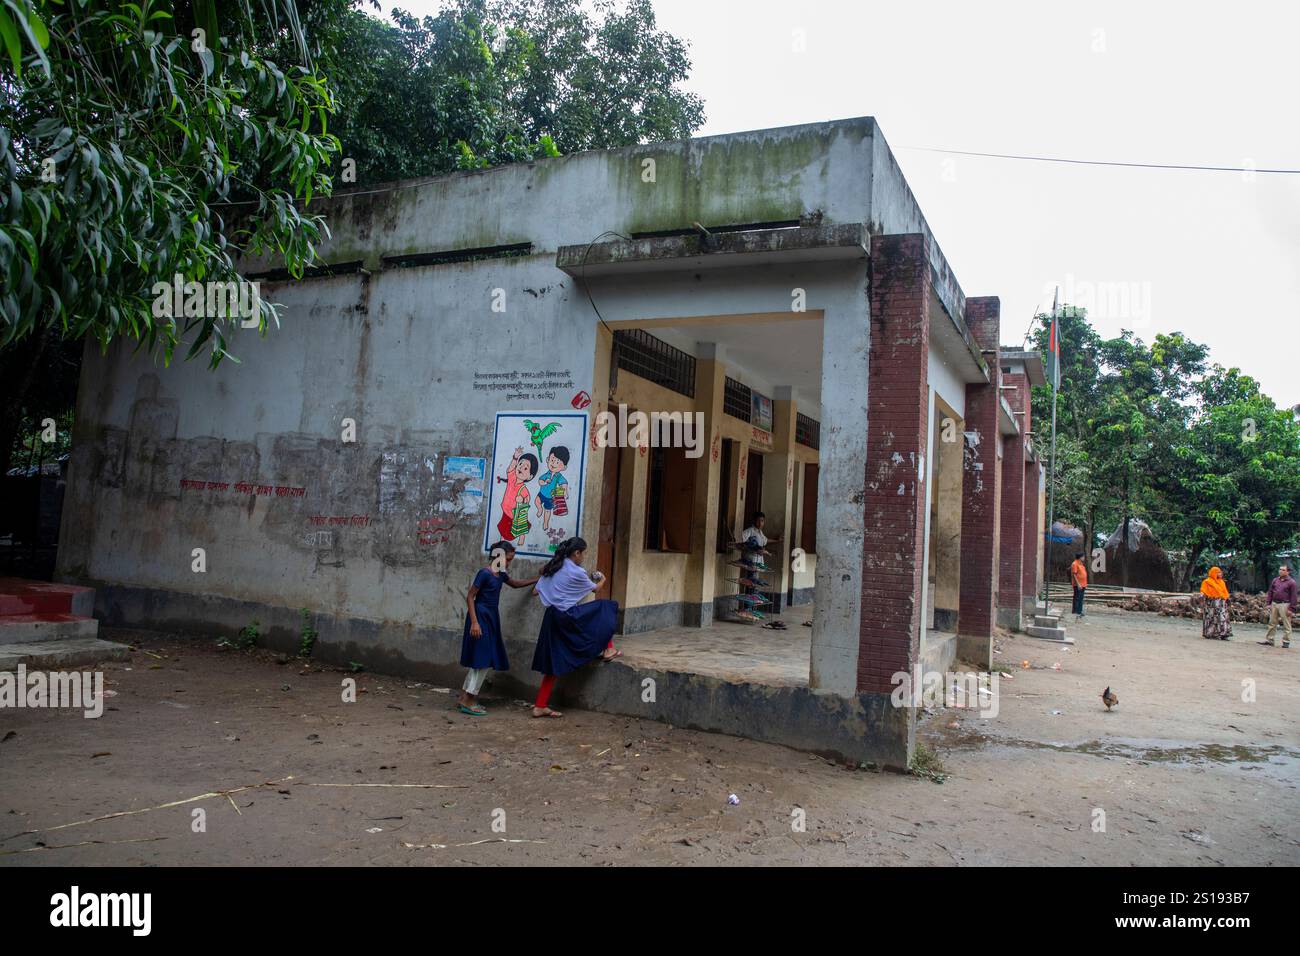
(535, 486)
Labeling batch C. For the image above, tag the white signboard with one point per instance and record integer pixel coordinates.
(535, 485)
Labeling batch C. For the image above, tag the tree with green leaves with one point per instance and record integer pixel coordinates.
(141, 141)
(1145, 431)
(1238, 473)
(487, 82)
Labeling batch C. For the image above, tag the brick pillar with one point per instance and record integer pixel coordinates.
(897, 434)
(1011, 545)
(981, 480)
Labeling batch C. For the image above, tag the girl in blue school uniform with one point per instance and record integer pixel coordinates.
(482, 648)
(573, 633)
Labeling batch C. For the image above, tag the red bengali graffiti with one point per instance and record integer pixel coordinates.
(430, 531)
(354, 520)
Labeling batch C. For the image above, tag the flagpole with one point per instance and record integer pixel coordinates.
(1053, 339)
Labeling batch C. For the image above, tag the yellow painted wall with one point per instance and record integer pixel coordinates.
(648, 577)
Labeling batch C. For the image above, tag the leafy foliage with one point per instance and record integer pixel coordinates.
(248, 636)
(1207, 460)
(307, 635)
(487, 82)
(125, 141)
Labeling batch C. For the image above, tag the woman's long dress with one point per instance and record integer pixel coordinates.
(1216, 624)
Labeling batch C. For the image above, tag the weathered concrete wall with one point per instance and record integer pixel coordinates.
(819, 170)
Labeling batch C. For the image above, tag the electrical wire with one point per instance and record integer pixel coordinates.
(411, 184)
(1101, 162)
(582, 274)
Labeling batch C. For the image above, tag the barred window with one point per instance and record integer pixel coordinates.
(737, 400)
(807, 431)
(655, 360)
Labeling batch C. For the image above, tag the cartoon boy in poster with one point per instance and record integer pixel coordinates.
(553, 487)
(514, 503)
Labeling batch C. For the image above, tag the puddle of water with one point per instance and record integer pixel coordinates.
(1277, 762)
(1170, 751)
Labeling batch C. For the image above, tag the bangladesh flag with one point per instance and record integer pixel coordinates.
(1053, 356)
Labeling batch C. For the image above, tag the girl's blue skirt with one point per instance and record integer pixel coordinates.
(489, 650)
(569, 639)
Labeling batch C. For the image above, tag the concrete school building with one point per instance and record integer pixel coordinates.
(780, 287)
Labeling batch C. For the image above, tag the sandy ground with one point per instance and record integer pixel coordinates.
(1184, 770)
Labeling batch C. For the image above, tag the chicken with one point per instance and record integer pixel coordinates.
(1109, 698)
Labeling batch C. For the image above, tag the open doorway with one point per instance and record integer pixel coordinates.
(671, 516)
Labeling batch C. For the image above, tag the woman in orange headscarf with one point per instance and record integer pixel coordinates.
(1216, 623)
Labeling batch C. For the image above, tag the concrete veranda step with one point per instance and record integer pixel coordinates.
(1056, 634)
(26, 628)
(57, 654)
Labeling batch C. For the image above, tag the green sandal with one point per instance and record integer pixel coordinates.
(475, 711)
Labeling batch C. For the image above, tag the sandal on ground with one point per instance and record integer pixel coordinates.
(546, 712)
(609, 657)
(474, 711)
(1266, 644)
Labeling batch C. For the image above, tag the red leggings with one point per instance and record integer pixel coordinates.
(544, 694)
(548, 685)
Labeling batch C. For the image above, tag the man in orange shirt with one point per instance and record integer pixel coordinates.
(1079, 577)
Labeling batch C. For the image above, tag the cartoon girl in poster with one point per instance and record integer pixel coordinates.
(514, 503)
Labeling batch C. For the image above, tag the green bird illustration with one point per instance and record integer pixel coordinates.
(540, 433)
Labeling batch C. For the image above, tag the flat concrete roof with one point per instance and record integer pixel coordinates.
(1033, 362)
(1007, 420)
(699, 251)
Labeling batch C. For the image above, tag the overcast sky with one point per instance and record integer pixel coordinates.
(1215, 255)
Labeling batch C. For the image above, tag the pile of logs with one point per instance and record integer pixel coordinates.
(1241, 606)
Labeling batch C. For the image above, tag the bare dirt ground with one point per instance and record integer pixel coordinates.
(1186, 772)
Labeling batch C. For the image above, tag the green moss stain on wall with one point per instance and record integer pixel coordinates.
(764, 176)
(755, 177)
